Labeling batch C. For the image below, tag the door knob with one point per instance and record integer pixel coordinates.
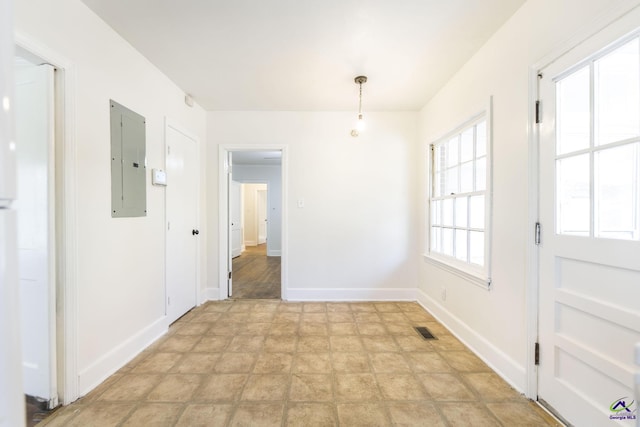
(195, 232)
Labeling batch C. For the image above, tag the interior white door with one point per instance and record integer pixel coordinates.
(262, 216)
(229, 225)
(235, 197)
(589, 318)
(182, 222)
(36, 227)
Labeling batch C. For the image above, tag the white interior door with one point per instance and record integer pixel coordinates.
(262, 216)
(36, 227)
(235, 197)
(589, 317)
(182, 223)
(229, 224)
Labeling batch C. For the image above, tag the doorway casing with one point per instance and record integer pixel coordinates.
(223, 197)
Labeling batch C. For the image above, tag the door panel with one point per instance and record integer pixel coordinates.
(262, 216)
(589, 319)
(36, 229)
(236, 218)
(182, 223)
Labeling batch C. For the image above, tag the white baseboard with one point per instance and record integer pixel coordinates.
(341, 294)
(512, 372)
(212, 294)
(90, 377)
(250, 243)
(274, 252)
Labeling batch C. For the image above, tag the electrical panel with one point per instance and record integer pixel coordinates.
(128, 163)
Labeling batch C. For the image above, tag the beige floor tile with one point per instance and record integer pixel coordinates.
(345, 343)
(368, 328)
(520, 414)
(273, 363)
(225, 328)
(419, 317)
(283, 329)
(386, 307)
(131, 387)
(290, 307)
(255, 328)
(467, 414)
(221, 387)
(258, 415)
(311, 387)
(362, 415)
(260, 317)
(154, 414)
(100, 414)
(98, 391)
(360, 387)
(235, 317)
(307, 363)
(445, 387)
(362, 307)
(367, 317)
(465, 361)
(205, 415)
(241, 307)
(266, 306)
(280, 344)
(205, 317)
(218, 307)
(246, 344)
(212, 344)
(352, 363)
(394, 318)
(314, 307)
(400, 329)
(447, 343)
(314, 317)
(313, 328)
(428, 362)
(286, 317)
(235, 362)
(413, 343)
(313, 343)
(337, 307)
(340, 316)
(175, 388)
(193, 329)
(62, 416)
(400, 387)
(384, 343)
(407, 414)
(389, 362)
(179, 343)
(491, 387)
(196, 363)
(157, 363)
(343, 328)
(266, 387)
(311, 415)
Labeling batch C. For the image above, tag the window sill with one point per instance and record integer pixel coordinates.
(473, 277)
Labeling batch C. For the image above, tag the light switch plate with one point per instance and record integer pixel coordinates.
(158, 177)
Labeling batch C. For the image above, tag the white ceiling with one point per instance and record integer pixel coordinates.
(304, 54)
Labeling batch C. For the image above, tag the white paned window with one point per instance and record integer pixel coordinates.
(598, 146)
(459, 211)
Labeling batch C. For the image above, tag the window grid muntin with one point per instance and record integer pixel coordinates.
(441, 165)
(595, 148)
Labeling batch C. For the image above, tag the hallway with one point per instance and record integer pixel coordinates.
(255, 275)
(273, 363)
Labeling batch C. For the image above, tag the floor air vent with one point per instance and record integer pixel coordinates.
(426, 333)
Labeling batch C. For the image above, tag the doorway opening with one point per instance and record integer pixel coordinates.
(256, 274)
(252, 223)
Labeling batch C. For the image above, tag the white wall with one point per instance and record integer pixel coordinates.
(272, 176)
(356, 237)
(120, 269)
(250, 213)
(494, 322)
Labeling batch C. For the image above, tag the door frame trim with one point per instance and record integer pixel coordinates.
(532, 307)
(223, 209)
(66, 230)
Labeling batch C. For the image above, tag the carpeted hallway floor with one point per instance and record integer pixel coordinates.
(275, 363)
(255, 275)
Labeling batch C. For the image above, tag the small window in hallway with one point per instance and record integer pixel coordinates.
(459, 207)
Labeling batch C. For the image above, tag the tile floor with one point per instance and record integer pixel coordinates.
(272, 363)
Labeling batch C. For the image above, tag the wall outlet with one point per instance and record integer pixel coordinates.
(443, 293)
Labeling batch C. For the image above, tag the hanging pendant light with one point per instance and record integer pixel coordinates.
(360, 123)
